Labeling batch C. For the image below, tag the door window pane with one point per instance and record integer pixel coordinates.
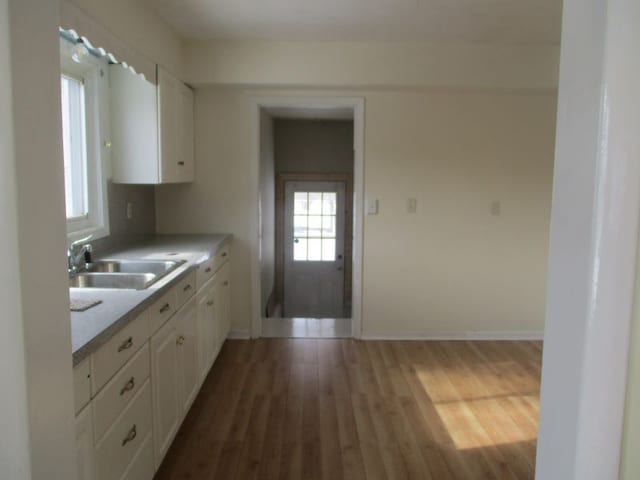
(300, 203)
(328, 249)
(315, 249)
(300, 249)
(314, 226)
(315, 203)
(328, 226)
(328, 203)
(300, 226)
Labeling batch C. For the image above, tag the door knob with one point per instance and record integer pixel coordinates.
(339, 268)
(295, 240)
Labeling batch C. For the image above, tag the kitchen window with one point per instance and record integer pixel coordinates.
(83, 94)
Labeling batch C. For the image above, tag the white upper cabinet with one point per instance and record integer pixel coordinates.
(152, 128)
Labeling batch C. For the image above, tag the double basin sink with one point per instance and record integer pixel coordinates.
(123, 274)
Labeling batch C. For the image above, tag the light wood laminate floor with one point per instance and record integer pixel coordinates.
(345, 409)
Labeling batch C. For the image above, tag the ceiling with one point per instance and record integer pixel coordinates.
(482, 21)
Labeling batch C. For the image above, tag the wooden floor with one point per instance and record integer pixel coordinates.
(344, 409)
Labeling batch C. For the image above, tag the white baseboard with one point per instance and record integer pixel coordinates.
(239, 335)
(475, 335)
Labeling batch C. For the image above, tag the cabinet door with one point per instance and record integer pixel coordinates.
(166, 405)
(185, 153)
(207, 345)
(134, 127)
(223, 304)
(84, 445)
(168, 123)
(186, 340)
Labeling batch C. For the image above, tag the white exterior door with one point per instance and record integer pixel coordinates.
(314, 217)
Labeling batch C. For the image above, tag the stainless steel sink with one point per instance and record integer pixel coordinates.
(123, 274)
(157, 267)
(131, 281)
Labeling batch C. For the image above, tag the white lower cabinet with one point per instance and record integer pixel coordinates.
(164, 375)
(85, 462)
(223, 302)
(175, 373)
(133, 393)
(207, 327)
(187, 343)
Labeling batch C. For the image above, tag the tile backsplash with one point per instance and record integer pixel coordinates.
(127, 231)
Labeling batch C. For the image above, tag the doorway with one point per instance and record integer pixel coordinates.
(308, 270)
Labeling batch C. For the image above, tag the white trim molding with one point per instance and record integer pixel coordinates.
(480, 335)
(309, 102)
(243, 334)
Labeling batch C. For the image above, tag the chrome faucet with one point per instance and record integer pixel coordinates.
(77, 254)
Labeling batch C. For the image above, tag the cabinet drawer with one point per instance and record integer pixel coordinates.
(205, 271)
(116, 394)
(141, 467)
(162, 310)
(221, 256)
(82, 385)
(119, 446)
(185, 288)
(115, 353)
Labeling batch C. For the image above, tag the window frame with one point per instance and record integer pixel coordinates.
(93, 73)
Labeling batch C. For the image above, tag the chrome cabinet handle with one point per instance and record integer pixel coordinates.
(224, 254)
(133, 433)
(127, 344)
(180, 340)
(207, 270)
(165, 308)
(128, 386)
(225, 283)
(210, 303)
(187, 288)
(181, 163)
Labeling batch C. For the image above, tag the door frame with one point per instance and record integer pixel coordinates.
(281, 180)
(356, 104)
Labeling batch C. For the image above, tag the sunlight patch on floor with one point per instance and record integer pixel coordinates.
(482, 422)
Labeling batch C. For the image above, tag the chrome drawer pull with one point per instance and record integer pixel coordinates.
(181, 163)
(224, 254)
(165, 308)
(133, 433)
(187, 288)
(128, 343)
(128, 386)
(225, 283)
(210, 303)
(180, 340)
(207, 270)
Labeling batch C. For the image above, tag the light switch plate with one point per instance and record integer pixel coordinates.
(372, 206)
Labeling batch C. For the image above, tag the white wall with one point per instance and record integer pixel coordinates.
(267, 210)
(14, 438)
(42, 236)
(389, 65)
(450, 268)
